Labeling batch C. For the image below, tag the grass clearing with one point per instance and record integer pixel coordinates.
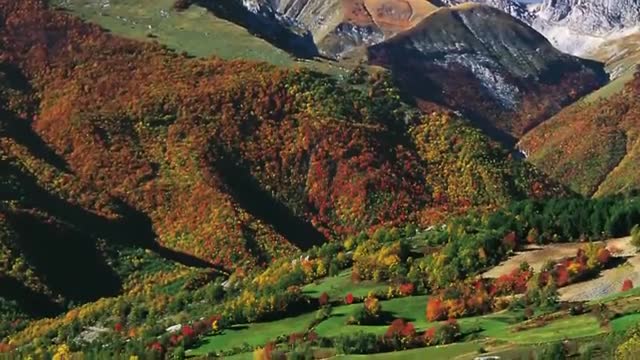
(574, 327)
(254, 334)
(195, 30)
(337, 287)
(410, 308)
(625, 322)
(435, 352)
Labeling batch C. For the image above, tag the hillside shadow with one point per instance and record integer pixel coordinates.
(29, 301)
(65, 259)
(266, 26)
(20, 130)
(248, 193)
(23, 134)
(133, 228)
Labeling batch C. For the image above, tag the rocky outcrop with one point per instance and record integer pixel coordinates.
(512, 7)
(580, 26)
(335, 27)
(577, 27)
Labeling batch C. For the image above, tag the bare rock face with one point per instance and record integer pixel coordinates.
(580, 26)
(574, 26)
(338, 27)
(512, 7)
(597, 17)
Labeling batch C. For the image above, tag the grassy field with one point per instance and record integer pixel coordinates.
(195, 30)
(409, 308)
(337, 287)
(568, 328)
(436, 352)
(254, 334)
(612, 88)
(626, 322)
(498, 329)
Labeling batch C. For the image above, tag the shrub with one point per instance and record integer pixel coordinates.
(358, 343)
(635, 236)
(407, 289)
(323, 299)
(627, 285)
(348, 299)
(448, 333)
(555, 351)
(630, 349)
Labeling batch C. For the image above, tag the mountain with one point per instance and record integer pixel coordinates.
(502, 74)
(337, 27)
(512, 7)
(577, 27)
(111, 142)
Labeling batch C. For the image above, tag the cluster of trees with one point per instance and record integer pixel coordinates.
(379, 259)
(512, 283)
(460, 300)
(400, 335)
(475, 242)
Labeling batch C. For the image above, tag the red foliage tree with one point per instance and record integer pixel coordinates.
(323, 299)
(604, 255)
(627, 285)
(187, 331)
(510, 241)
(348, 299)
(430, 335)
(562, 275)
(407, 289)
(435, 310)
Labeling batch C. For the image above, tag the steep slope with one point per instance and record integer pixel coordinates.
(501, 73)
(592, 146)
(338, 27)
(231, 163)
(577, 27)
(512, 7)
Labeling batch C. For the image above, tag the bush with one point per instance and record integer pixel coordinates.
(555, 351)
(635, 236)
(400, 335)
(367, 314)
(627, 285)
(359, 343)
(448, 333)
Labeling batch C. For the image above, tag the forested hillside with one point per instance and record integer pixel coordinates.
(593, 145)
(212, 163)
